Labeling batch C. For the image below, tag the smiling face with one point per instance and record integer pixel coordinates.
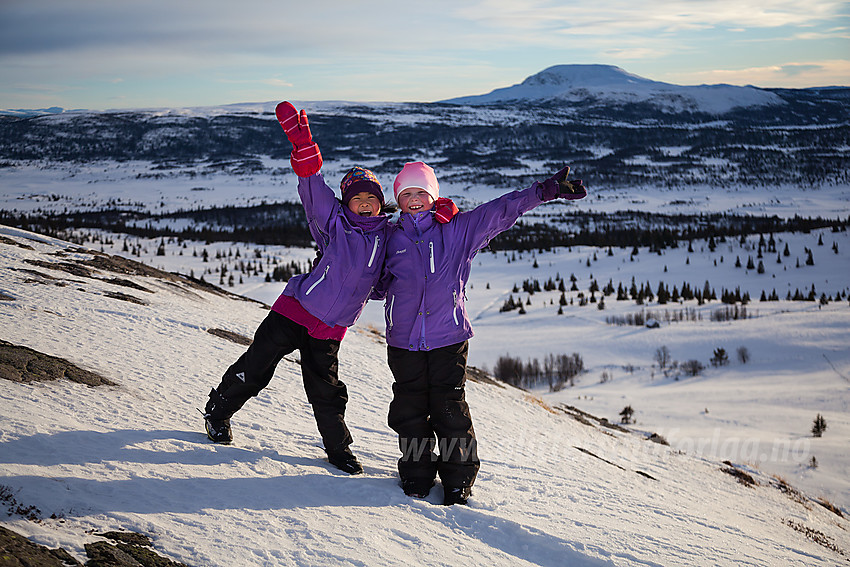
(365, 204)
(415, 200)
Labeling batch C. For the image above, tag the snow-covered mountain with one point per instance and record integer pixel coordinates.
(557, 485)
(606, 84)
(616, 130)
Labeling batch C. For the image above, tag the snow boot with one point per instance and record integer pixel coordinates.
(345, 461)
(457, 496)
(218, 430)
(217, 420)
(417, 488)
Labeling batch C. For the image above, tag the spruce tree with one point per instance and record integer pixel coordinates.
(819, 426)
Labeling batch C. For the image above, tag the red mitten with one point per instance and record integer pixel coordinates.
(445, 209)
(306, 159)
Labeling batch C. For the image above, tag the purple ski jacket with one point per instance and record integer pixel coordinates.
(428, 264)
(352, 253)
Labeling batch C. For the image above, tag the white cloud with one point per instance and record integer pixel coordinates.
(276, 83)
(606, 16)
(790, 75)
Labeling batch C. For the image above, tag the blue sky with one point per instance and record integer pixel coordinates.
(102, 54)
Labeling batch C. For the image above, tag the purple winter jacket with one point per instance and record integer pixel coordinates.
(352, 252)
(428, 264)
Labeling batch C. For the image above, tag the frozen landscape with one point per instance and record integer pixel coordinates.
(556, 486)
(718, 466)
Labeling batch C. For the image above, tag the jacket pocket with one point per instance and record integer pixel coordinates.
(431, 254)
(318, 281)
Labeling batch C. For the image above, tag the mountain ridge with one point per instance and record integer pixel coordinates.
(583, 77)
(611, 84)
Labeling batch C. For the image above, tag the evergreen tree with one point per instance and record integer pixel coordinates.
(626, 415)
(720, 357)
(819, 426)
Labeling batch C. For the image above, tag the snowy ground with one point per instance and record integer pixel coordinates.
(760, 412)
(552, 490)
(134, 456)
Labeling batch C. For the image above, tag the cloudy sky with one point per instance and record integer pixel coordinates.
(101, 54)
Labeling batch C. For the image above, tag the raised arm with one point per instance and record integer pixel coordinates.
(306, 159)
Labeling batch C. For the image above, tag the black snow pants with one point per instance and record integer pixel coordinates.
(276, 337)
(430, 414)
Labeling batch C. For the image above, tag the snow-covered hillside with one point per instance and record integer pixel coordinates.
(556, 486)
(800, 372)
(609, 84)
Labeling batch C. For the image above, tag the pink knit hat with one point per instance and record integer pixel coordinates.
(417, 174)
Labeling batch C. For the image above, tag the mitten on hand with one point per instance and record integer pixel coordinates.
(558, 186)
(306, 159)
(445, 209)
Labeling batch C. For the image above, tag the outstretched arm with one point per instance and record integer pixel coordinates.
(320, 203)
(486, 221)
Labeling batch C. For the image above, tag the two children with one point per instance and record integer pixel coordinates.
(315, 309)
(427, 264)
(427, 267)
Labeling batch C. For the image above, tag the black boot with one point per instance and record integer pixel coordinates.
(218, 430)
(417, 488)
(217, 420)
(345, 461)
(457, 496)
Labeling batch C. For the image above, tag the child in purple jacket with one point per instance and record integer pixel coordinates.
(315, 309)
(425, 277)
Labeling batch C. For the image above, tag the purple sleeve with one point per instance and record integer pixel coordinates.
(485, 221)
(318, 199)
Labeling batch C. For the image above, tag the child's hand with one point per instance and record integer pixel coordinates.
(445, 209)
(306, 159)
(558, 186)
(572, 190)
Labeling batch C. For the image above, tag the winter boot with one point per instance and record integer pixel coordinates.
(217, 420)
(417, 488)
(457, 496)
(218, 430)
(345, 461)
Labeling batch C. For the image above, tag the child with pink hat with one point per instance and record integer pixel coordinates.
(428, 330)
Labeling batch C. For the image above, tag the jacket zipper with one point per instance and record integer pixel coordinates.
(390, 313)
(431, 248)
(318, 281)
(454, 311)
(374, 251)
(321, 232)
